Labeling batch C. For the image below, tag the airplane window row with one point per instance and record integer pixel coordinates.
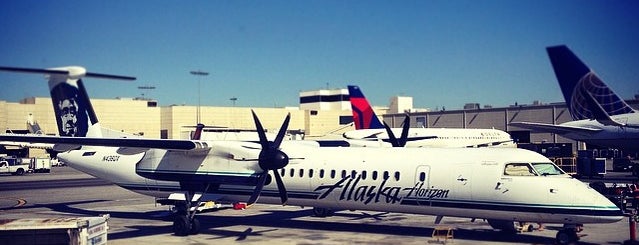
(374, 175)
(489, 137)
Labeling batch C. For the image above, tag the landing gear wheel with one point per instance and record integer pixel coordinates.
(195, 227)
(567, 236)
(181, 225)
(322, 212)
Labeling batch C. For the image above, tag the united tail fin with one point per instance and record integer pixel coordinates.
(73, 110)
(585, 93)
(363, 114)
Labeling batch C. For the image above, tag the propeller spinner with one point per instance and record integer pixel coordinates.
(271, 158)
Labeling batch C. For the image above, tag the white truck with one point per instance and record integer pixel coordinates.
(13, 166)
(40, 165)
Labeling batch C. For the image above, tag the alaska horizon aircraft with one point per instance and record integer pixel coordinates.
(502, 185)
(600, 116)
(368, 127)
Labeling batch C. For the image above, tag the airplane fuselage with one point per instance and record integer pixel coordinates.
(437, 137)
(450, 182)
(620, 137)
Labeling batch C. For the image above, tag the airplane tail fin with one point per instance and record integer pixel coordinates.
(73, 110)
(363, 114)
(578, 82)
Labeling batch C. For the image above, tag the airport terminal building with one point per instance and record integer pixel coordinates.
(321, 114)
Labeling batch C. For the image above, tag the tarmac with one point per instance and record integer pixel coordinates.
(136, 219)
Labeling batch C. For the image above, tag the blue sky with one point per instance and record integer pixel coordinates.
(442, 53)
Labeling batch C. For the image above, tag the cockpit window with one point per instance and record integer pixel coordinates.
(519, 169)
(547, 168)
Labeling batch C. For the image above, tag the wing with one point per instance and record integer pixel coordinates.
(557, 129)
(75, 142)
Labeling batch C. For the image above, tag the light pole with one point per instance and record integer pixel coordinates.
(199, 74)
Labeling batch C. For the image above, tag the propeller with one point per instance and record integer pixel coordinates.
(271, 158)
(401, 142)
(197, 135)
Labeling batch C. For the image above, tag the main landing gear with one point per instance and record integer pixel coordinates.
(184, 221)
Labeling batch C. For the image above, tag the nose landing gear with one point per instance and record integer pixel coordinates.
(568, 235)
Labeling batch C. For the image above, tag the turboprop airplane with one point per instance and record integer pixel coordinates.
(600, 117)
(369, 130)
(502, 185)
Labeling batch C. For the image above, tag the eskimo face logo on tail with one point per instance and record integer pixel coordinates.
(70, 112)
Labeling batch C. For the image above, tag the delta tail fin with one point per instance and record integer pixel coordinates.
(363, 114)
(73, 110)
(585, 93)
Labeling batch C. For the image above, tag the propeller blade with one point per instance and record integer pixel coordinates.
(404, 137)
(282, 132)
(197, 135)
(391, 136)
(260, 131)
(280, 187)
(258, 189)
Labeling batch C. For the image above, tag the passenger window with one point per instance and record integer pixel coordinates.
(353, 174)
(310, 173)
(301, 173)
(422, 176)
(364, 174)
(343, 174)
(283, 173)
(397, 176)
(292, 172)
(386, 175)
(321, 174)
(332, 173)
(374, 175)
(519, 169)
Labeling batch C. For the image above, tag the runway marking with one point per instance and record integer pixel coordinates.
(19, 201)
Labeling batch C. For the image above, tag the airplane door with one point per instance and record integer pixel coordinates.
(460, 181)
(489, 183)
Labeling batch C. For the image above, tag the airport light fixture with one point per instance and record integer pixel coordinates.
(199, 74)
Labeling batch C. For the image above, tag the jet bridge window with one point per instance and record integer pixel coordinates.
(519, 169)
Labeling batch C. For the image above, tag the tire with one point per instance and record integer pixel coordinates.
(503, 225)
(195, 227)
(181, 225)
(322, 212)
(566, 236)
(20, 171)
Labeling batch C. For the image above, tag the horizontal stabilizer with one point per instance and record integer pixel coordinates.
(64, 71)
(111, 142)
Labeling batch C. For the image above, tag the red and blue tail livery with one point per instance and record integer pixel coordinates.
(363, 114)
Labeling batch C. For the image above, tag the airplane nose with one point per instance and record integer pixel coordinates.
(599, 207)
